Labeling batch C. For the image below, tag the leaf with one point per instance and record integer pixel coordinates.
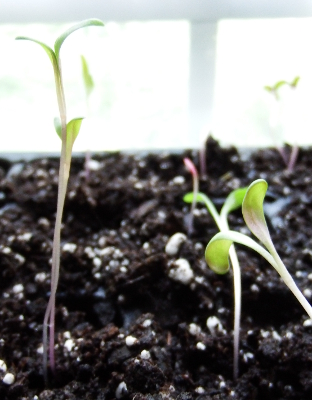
(279, 84)
(58, 127)
(295, 81)
(73, 128)
(268, 88)
(47, 49)
(59, 41)
(87, 78)
(189, 197)
(234, 200)
(252, 209)
(217, 250)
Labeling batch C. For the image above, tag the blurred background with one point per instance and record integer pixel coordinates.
(166, 73)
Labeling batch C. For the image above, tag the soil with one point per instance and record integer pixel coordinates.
(126, 326)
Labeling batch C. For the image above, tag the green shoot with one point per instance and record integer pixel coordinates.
(290, 160)
(68, 133)
(218, 248)
(232, 202)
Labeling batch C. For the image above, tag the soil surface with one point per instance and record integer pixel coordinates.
(128, 324)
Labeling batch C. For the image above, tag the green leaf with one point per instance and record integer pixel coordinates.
(59, 41)
(188, 197)
(234, 200)
(268, 88)
(294, 83)
(87, 78)
(279, 84)
(252, 209)
(47, 49)
(217, 250)
(73, 128)
(58, 127)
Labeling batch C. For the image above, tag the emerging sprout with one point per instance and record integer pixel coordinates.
(232, 202)
(219, 246)
(68, 133)
(290, 160)
(191, 167)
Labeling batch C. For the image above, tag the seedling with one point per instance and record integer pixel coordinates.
(68, 133)
(219, 246)
(191, 167)
(232, 202)
(290, 160)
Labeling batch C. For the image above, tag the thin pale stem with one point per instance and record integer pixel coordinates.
(287, 278)
(237, 283)
(49, 318)
(293, 158)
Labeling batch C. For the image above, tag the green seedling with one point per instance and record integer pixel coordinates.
(290, 160)
(68, 133)
(218, 248)
(232, 203)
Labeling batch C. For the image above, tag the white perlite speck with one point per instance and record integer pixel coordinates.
(131, 340)
(174, 243)
(69, 344)
(121, 390)
(8, 379)
(18, 288)
(200, 346)
(3, 367)
(194, 329)
(214, 325)
(307, 322)
(40, 277)
(147, 323)
(70, 247)
(181, 271)
(145, 355)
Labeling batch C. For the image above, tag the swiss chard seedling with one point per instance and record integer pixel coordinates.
(68, 133)
(290, 160)
(232, 202)
(218, 248)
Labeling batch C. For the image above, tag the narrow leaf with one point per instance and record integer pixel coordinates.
(279, 84)
(252, 209)
(59, 41)
(47, 49)
(87, 78)
(294, 83)
(73, 128)
(58, 127)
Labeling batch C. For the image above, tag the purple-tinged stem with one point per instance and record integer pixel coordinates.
(191, 167)
(293, 158)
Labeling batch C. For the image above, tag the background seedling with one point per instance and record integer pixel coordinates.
(68, 133)
(232, 202)
(191, 167)
(290, 160)
(218, 248)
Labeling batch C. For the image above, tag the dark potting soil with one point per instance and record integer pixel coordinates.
(128, 326)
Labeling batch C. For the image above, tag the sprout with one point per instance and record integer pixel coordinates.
(232, 202)
(290, 160)
(68, 133)
(191, 167)
(219, 246)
